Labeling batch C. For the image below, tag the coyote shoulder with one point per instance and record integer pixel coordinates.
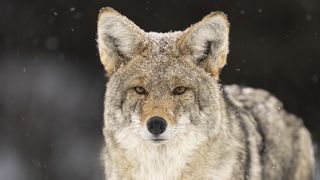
(167, 116)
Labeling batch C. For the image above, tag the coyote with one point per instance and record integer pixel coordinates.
(167, 116)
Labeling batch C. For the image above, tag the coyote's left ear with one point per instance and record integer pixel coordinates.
(207, 42)
(119, 39)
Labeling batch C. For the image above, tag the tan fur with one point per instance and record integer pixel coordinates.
(153, 107)
(214, 131)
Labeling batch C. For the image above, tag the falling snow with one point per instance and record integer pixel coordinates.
(308, 17)
(72, 9)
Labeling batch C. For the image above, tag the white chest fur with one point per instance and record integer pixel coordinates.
(159, 161)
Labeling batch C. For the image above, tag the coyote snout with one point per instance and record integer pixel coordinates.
(157, 118)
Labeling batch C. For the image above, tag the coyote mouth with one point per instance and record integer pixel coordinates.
(158, 140)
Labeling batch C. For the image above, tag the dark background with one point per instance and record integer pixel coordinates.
(52, 84)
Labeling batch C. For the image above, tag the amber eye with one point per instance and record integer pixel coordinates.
(140, 90)
(179, 90)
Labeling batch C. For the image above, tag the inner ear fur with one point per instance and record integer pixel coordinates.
(207, 41)
(118, 38)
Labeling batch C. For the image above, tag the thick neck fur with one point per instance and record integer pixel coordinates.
(161, 161)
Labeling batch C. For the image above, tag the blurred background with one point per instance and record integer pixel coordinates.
(52, 84)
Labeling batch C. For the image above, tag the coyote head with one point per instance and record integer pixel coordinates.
(162, 85)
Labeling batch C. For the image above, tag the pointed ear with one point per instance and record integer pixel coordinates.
(118, 39)
(207, 42)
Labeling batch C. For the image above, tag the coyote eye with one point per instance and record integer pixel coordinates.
(140, 90)
(179, 90)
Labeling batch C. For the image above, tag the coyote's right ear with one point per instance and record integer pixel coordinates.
(118, 39)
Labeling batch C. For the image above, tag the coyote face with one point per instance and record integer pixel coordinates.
(151, 92)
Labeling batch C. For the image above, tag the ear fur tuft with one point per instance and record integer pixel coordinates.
(207, 42)
(118, 39)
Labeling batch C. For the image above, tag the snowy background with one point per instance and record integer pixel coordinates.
(52, 83)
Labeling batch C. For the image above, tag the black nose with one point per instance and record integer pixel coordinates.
(156, 125)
